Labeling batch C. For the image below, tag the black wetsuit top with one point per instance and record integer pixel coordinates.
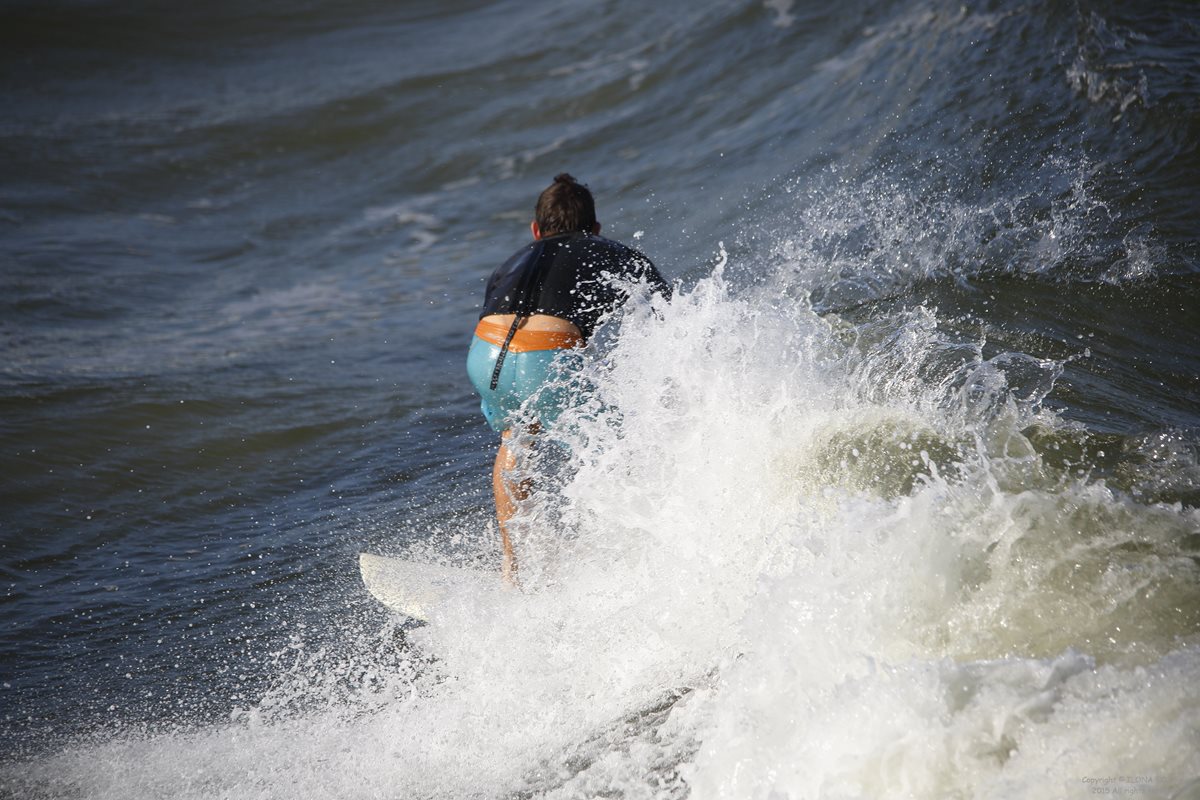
(578, 277)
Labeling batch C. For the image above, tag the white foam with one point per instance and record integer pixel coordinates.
(784, 18)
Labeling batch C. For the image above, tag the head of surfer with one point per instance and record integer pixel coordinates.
(565, 206)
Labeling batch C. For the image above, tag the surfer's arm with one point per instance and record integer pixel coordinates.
(658, 284)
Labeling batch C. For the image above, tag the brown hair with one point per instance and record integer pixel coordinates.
(565, 206)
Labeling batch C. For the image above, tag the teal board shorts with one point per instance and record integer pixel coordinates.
(532, 383)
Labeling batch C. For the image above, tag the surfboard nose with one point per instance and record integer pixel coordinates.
(419, 590)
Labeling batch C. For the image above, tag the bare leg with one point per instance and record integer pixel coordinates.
(508, 493)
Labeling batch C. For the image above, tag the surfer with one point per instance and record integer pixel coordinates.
(547, 299)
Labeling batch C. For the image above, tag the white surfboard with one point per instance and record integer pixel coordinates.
(417, 590)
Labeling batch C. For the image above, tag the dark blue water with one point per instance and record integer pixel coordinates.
(241, 254)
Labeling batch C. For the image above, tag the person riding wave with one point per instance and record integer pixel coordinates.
(546, 299)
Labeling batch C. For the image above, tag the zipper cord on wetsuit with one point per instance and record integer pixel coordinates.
(517, 319)
(531, 280)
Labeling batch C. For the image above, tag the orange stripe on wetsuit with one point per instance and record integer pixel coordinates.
(525, 341)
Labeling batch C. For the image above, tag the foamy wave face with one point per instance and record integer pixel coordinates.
(785, 556)
(903, 597)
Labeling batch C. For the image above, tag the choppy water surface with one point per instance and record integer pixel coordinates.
(896, 498)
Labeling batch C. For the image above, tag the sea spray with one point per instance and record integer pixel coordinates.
(925, 638)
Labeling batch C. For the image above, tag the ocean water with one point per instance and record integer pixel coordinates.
(898, 497)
